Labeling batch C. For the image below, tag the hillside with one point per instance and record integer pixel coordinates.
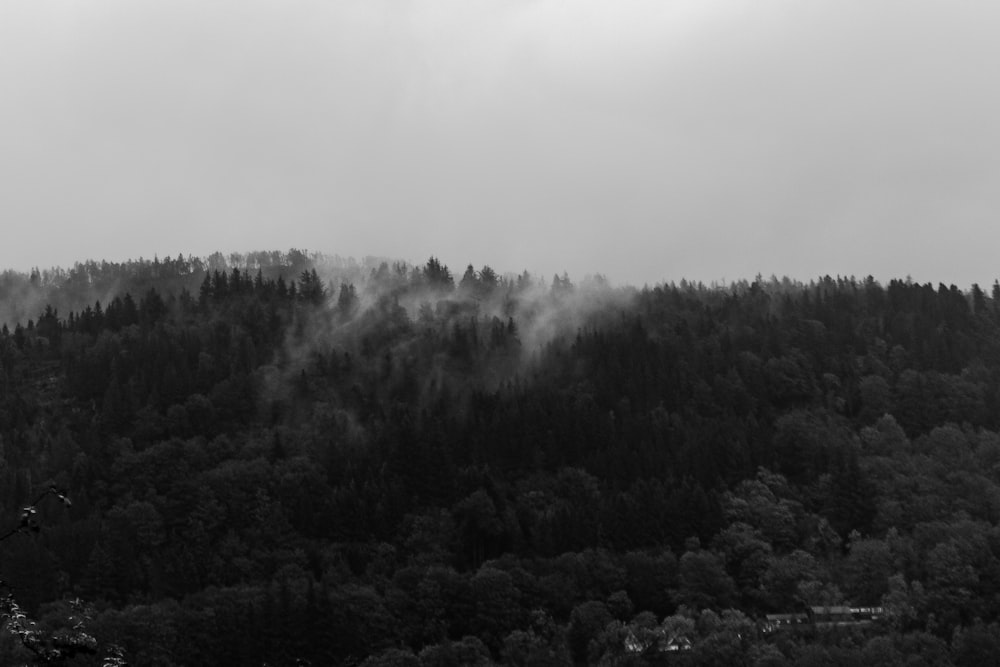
(281, 456)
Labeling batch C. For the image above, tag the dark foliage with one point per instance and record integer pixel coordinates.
(289, 459)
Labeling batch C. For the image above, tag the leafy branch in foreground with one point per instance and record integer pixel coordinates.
(28, 523)
(48, 647)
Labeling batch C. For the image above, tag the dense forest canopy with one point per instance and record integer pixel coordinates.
(290, 458)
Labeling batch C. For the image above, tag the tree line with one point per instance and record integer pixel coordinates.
(289, 458)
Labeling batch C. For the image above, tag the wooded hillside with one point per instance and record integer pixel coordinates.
(282, 456)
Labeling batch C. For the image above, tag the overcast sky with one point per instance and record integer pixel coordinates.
(645, 140)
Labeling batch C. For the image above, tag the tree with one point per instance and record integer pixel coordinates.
(526, 648)
(469, 651)
(347, 301)
(479, 523)
(561, 285)
(152, 308)
(488, 280)
(703, 581)
(497, 606)
(725, 640)
(311, 288)
(876, 397)
(650, 576)
(587, 621)
(437, 275)
(978, 300)
(867, 570)
(747, 556)
(470, 284)
(977, 646)
(784, 578)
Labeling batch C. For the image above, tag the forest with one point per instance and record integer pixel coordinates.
(288, 458)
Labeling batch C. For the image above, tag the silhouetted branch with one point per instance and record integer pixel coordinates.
(48, 648)
(27, 522)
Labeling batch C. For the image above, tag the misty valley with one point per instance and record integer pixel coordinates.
(291, 458)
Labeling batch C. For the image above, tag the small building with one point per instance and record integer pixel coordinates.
(831, 616)
(776, 622)
(867, 613)
(673, 644)
(822, 617)
(656, 640)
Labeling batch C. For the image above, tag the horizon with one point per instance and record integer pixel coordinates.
(710, 140)
(458, 268)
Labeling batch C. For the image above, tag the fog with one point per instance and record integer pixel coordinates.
(645, 140)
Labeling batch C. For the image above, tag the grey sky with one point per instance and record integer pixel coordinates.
(646, 140)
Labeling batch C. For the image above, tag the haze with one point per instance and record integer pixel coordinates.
(645, 140)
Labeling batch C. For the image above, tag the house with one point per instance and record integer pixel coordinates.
(830, 616)
(822, 617)
(776, 622)
(655, 639)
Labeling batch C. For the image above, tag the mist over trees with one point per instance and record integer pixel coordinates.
(282, 457)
